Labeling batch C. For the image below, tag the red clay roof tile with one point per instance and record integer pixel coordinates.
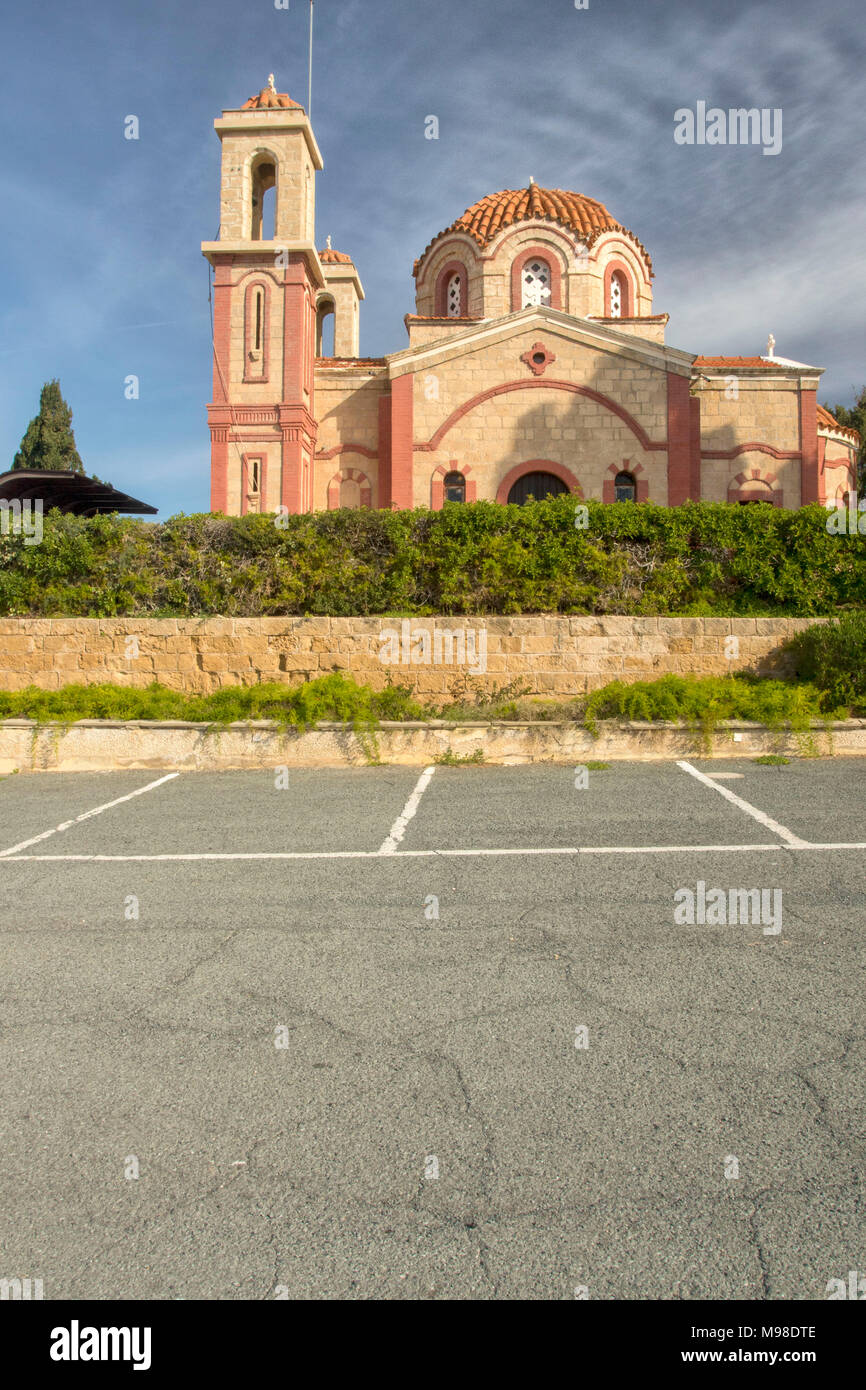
(484, 220)
(829, 422)
(269, 98)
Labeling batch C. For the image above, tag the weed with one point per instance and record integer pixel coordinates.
(451, 759)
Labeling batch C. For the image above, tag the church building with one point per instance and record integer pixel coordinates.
(535, 363)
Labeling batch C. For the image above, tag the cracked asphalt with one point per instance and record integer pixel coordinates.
(328, 1091)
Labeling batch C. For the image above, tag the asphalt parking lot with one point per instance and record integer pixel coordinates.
(376, 1034)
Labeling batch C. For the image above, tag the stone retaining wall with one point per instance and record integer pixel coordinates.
(105, 745)
(552, 655)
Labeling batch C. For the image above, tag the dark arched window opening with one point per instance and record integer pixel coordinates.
(264, 181)
(624, 488)
(258, 318)
(325, 325)
(454, 487)
(536, 486)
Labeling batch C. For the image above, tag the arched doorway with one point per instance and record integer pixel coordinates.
(537, 486)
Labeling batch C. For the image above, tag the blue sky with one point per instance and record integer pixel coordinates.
(101, 274)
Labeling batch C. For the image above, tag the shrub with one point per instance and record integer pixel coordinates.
(703, 702)
(833, 657)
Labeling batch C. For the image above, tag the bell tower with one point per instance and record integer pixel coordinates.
(266, 279)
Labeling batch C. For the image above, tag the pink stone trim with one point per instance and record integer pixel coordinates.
(640, 434)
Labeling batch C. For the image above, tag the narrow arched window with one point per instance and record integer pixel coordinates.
(450, 297)
(536, 283)
(263, 214)
(624, 487)
(454, 296)
(253, 489)
(256, 333)
(617, 295)
(259, 318)
(454, 487)
(326, 312)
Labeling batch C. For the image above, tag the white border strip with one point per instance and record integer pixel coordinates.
(773, 825)
(398, 829)
(97, 811)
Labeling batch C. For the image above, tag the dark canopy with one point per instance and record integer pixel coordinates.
(71, 492)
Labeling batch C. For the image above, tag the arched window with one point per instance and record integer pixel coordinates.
(454, 485)
(536, 283)
(263, 218)
(536, 486)
(454, 297)
(624, 488)
(619, 291)
(256, 332)
(450, 297)
(252, 483)
(325, 325)
(617, 295)
(258, 324)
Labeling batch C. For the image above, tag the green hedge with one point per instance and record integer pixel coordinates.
(481, 558)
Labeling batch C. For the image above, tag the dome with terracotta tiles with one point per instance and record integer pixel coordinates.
(484, 220)
(331, 257)
(268, 98)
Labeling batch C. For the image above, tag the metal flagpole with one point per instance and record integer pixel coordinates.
(310, 86)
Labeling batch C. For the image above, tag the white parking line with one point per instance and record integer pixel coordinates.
(802, 846)
(97, 811)
(398, 829)
(769, 824)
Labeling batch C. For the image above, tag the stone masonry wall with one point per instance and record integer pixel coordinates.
(552, 655)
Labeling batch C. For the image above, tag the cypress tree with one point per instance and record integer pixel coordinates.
(49, 442)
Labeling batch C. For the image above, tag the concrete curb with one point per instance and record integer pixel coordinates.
(105, 745)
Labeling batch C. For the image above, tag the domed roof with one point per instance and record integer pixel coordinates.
(268, 97)
(331, 257)
(484, 220)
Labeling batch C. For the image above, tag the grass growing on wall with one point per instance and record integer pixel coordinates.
(480, 558)
(695, 701)
(332, 698)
